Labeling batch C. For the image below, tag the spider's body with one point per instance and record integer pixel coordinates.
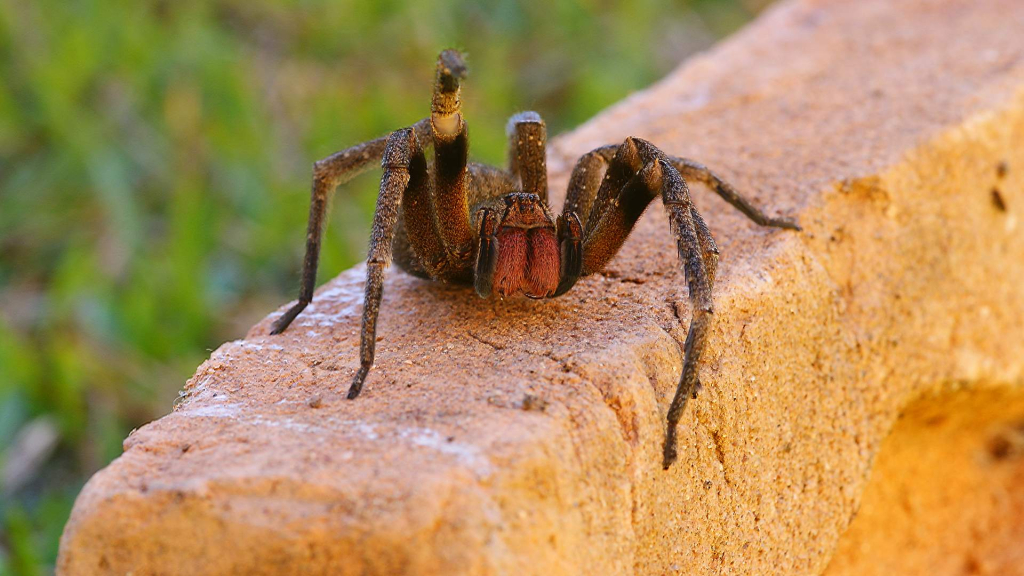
(457, 221)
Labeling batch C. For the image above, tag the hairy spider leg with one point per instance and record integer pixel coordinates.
(451, 148)
(328, 174)
(418, 225)
(584, 183)
(637, 173)
(613, 185)
(401, 172)
(691, 170)
(405, 176)
(709, 251)
(527, 148)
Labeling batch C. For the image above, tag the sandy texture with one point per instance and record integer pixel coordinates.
(524, 437)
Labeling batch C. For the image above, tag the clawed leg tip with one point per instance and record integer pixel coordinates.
(454, 63)
(356, 388)
(669, 455)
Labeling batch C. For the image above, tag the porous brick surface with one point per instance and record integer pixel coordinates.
(521, 437)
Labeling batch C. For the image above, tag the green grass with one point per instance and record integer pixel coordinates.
(154, 170)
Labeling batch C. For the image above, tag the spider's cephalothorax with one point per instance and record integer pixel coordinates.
(458, 221)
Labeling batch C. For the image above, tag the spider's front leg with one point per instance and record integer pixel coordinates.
(404, 169)
(695, 171)
(636, 173)
(328, 174)
(451, 149)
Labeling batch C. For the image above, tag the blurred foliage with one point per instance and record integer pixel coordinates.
(154, 170)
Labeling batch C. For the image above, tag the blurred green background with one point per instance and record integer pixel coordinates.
(154, 172)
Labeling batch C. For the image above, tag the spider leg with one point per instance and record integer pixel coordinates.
(451, 146)
(418, 225)
(692, 170)
(527, 137)
(644, 172)
(328, 174)
(709, 251)
(694, 244)
(689, 383)
(584, 184)
(393, 184)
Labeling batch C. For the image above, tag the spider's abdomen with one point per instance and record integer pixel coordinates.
(528, 262)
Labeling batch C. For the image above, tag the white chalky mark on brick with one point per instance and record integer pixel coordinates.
(466, 454)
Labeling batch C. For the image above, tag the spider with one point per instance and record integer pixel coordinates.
(458, 221)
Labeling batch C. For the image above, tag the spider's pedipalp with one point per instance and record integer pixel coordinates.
(487, 253)
(570, 234)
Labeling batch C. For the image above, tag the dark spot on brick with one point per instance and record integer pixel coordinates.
(1002, 168)
(971, 565)
(533, 403)
(1000, 448)
(707, 484)
(1008, 443)
(997, 200)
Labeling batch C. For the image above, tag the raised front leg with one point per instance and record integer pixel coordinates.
(451, 146)
(328, 174)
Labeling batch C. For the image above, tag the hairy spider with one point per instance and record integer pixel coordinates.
(459, 221)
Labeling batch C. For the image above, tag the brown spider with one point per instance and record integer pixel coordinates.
(459, 221)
